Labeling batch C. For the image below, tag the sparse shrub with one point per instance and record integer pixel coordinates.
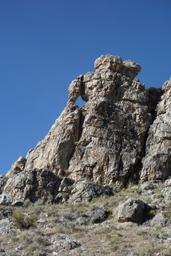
(23, 220)
(159, 193)
(34, 250)
(42, 241)
(167, 212)
(152, 212)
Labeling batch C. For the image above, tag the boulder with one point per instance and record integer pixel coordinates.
(98, 215)
(93, 216)
(159, 220)
(167, 182)
(133, 210)
(71, 243)
(148, 185)
(86, 191)
(62, 244)
(166, 193)
(4, 226)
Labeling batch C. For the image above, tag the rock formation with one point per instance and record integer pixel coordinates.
(157, 160)
(119, 135)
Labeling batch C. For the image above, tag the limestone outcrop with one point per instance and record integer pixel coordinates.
(104, 140)
(121, 134)
(157, 160)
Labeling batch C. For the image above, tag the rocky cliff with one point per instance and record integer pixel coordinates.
(121, 135)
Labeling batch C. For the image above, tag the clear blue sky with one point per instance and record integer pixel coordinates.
(46, 44)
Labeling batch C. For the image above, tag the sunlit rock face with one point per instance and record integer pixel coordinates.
(118, 135)
(104, 140)
(116, 118)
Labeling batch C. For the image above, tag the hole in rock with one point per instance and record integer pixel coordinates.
(80, 102)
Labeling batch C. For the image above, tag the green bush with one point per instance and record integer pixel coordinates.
(24, 220)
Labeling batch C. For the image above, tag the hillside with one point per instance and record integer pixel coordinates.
(99, 182)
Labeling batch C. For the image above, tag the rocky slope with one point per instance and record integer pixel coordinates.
(99, 182)
(135, 221)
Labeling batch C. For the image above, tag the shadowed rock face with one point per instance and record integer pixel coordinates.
(157, 160)
(105, 140)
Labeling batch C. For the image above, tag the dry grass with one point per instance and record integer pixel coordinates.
(167, 211)
(108, 238)
(23, 220)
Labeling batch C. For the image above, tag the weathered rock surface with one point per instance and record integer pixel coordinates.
(70, 243)
(133, 210)
(4, 226)
(116, 105)
(5, 213)
(157, 160)
(45, 185)
(33, 185)
(17, 167)
(159, 220)
(86, 191)
(118, 136)
(147, 186)
(104, 140)
(89, 217)
(5, 199)
(93, 216)
(166, 193)
(3, 180)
